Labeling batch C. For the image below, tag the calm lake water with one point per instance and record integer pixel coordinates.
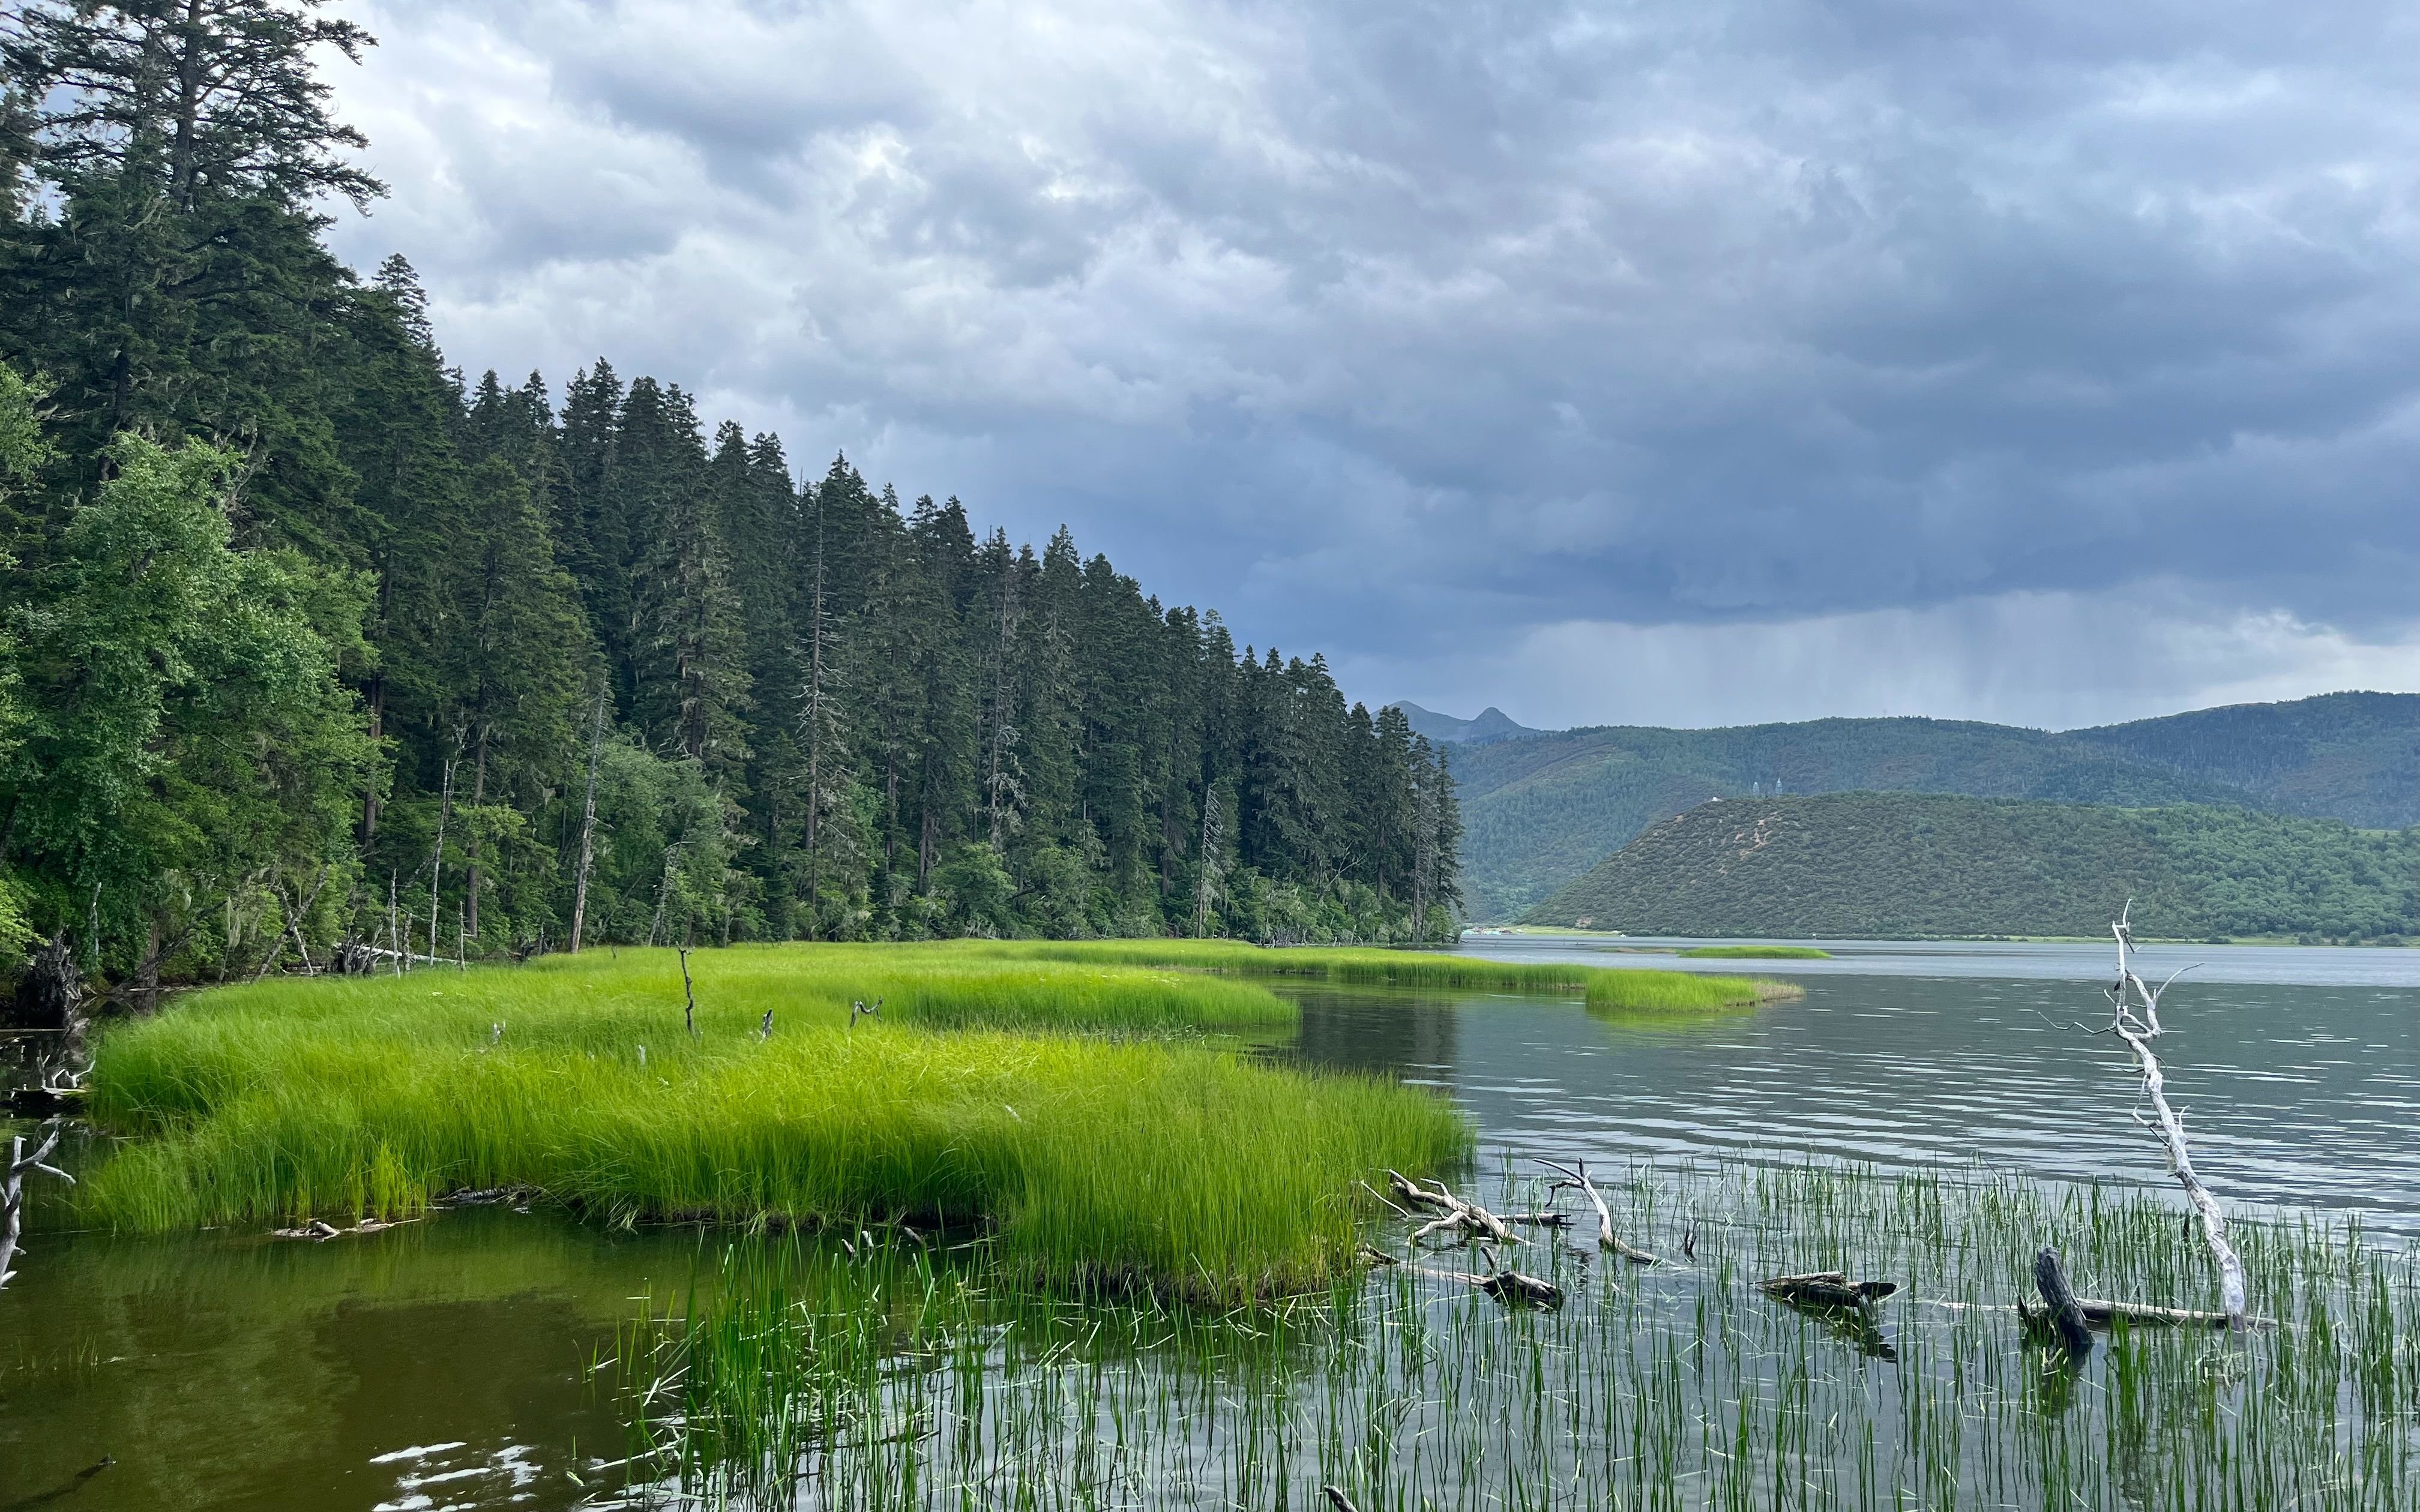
(442, 1364)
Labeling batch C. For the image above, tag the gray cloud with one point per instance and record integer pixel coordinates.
(1467, 342)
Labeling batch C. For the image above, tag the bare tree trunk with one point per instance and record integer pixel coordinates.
(478, 797)
(2137, 1023)
(437, 849)
(587, 828)
(12, 1192)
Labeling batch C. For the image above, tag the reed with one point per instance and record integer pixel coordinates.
(1093, 1161)
(896, 1376)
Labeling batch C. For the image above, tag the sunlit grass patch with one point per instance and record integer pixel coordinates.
(1093, 1159)
(1756, 953)
(1681, 992)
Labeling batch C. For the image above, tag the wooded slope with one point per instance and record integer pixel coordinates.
(1541, 810)
(1889, 865)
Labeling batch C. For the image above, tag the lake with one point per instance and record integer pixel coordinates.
(446, 1364)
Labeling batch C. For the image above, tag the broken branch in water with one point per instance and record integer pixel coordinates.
(1827, 1289)
(318, 1230)
(1473, 1220)
(1511, 1286)
(1578, 1176)
(12, 1191)
(2137, 1022)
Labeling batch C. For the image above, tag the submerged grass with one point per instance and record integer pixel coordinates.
(895, 1377)
(1756, 953)
(1093, 1161)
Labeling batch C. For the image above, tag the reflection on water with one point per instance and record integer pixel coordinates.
(436, 1365)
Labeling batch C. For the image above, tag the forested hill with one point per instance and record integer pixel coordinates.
(1541, 810)
(306, 633)
(1896, 865)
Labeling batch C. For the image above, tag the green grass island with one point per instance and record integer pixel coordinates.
(1068, 1100)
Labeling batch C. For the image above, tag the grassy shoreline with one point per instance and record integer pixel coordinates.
(1091, 1161)
(1057, 1096)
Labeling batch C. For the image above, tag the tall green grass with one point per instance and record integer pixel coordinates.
(1681, 991)
(1095, 1161)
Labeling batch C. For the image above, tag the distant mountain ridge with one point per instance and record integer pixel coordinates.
(1540, 808)
(1902, 865)
(1492, 724)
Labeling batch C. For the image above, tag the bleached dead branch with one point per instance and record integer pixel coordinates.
(1578, 1176)
(2137, 1021)
(12, 1191)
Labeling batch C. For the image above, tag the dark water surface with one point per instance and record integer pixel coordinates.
(437, 1365)
(442, 1364)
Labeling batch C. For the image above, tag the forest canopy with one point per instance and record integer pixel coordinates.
(304, 630)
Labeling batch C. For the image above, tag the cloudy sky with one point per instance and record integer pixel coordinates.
(1669, 362)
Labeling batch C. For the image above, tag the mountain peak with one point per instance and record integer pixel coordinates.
(1492, 724)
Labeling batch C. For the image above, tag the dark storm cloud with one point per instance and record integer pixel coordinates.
(1485, 345)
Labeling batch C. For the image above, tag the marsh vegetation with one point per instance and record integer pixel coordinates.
(902, 1376)
(1070, 1100)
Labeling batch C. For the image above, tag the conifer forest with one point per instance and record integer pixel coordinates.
(311, 639)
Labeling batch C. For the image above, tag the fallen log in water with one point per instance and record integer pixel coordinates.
(1473, 1220)
(1578, 1176)
(1827, 1289)
(2101, 1314)
(1513, 1287)
(318, 1230)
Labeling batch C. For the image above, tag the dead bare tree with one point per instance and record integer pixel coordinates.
(12, 1191)
(1578, 1176)
(587, 828)
(2137, 1021)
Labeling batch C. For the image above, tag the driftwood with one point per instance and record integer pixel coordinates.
(1474, 1221)
(1578, 1176)
(485, 1197)
(2099, 1313)
(1538, 1220)
(1511, 1288)
(2063, 1316)
(1827, 1289)
(12, 1191)
(320, 1231)
(2137, 1023)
